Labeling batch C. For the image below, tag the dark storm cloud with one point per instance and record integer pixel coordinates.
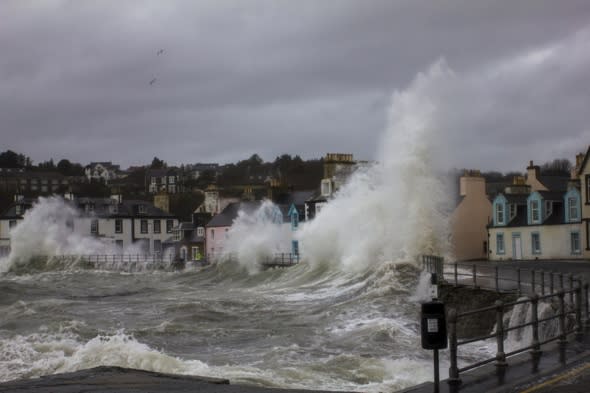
(272, 77)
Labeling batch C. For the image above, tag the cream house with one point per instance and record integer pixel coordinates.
(542, 221)
(469, 237)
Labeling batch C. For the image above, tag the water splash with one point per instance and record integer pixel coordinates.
(47, 230)
(397, 208)
(258, 235)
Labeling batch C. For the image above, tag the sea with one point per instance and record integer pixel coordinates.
(347, 318)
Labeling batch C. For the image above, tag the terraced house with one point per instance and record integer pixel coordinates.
(112, 220)
(545, 218)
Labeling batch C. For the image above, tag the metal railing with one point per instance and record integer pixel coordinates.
(500, 308)
(278, 259)
(572, 302)
(120, 262)
(500, 279)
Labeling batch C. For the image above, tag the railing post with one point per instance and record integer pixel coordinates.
(456, 283)
(536, 350)
(562, 334)
(542, 282)
(496, 277)
(500, 354)
(586, 303)
(474, 276)
(579, 329)
(518, 282)
(551, 286)
(561, 281)
(571, 279)
(533, 286)
(453, 369)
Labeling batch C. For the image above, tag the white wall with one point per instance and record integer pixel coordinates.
(555, 242)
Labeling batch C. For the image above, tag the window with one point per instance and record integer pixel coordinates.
(157, 246)
(19, 210)
(500, 244)
(535, 214)
(90, 207)
(535, 243)
(144, 226)
(548, 208)
(170, 179)
(500, 213)
(200, 231)
(572, 206)
(11, 224)
(119, 226)
(141, 209)
(226, 233)
(326, 186)
(196, 254)
(157, 226)
(512, 208)
(169, 225)
(575, 242)
(94, 227)
(212, 234)
(114, 209)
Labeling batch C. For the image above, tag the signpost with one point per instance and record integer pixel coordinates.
(434, 327)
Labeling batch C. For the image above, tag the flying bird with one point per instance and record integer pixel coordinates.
(161, 51)
(152, 81)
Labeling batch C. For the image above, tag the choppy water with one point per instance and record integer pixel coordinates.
(346, 319)
(296, 327)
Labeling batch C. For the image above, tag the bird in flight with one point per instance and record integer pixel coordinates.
(161, 51)
(152, 81)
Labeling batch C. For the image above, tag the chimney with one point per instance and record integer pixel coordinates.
(472, 182)
(532, 171)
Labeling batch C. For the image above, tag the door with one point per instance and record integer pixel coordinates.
(516, 247)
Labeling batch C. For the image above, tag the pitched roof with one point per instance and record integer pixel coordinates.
(228, 215)
(555, 183)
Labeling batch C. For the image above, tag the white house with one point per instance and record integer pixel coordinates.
(102, 171)
(117, 222)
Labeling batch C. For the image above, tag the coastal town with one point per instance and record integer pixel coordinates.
(187, 211)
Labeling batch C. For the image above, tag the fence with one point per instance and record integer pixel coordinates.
(278, 259)
(551, 286)
(501, 332)
(120, 262)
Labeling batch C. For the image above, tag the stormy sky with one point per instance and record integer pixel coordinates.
(219, 80)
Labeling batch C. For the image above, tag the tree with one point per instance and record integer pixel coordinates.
(10, 159)
(557, 167)
(157, 163)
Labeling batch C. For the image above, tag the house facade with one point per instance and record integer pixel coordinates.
(114, 221)
(541, 221)
(469, 236)
(164, 180)
(102, 171)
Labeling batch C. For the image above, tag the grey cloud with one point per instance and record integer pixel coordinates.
(271, 77)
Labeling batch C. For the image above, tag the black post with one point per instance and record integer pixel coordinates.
(436, 373)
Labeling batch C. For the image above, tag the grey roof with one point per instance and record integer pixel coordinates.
(555, 183)
(552, 195)
(228, 215)
(519, 199)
